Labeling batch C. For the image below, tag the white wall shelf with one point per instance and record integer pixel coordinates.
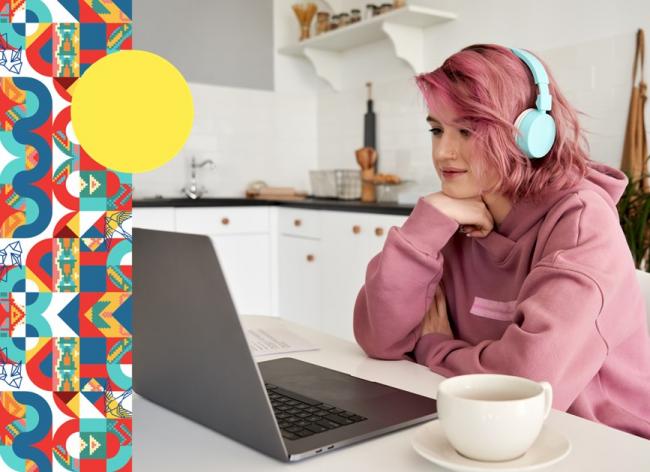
(404, 27)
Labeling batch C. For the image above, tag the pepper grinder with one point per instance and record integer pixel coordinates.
(370, 124)
(366, 157)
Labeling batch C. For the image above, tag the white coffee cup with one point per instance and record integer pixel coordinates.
(490, 417)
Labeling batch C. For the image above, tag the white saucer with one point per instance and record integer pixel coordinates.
(430, 442)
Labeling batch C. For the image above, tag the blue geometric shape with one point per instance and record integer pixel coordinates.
(70, 314)
(93, 36)
(72, 6)
(46, 52)
(92, 278)
(46, 366)
(93, 396)
(123, 315)
(125, 6)
(92, 350)
(31, 17)
(46, 263)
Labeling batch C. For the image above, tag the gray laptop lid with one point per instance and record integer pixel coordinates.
(176, 349)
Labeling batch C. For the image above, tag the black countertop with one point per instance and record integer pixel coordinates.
(309, 203)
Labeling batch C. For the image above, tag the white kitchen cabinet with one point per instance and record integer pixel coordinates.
(304, 265)
(349, 241)
(245, 260)
(154, 218)
(223, 220)
(243, 244)
(299, 273)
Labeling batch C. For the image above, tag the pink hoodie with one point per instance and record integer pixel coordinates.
(550, 295)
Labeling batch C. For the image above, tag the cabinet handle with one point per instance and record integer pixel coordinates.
(297, 222)
(310, 258)
(379, 231)
(356, 229)
(225, 221)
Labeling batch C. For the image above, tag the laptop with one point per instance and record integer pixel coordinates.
(191, 356)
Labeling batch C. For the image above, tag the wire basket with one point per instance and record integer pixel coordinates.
(344, 184)
(323, 183)
(348, 184)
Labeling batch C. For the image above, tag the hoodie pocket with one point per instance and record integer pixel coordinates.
(494, 309)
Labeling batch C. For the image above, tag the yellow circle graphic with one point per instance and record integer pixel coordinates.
(132, 111)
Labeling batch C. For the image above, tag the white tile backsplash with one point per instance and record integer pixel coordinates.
(249, 134)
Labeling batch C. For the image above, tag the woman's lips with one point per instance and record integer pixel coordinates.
(452, 174)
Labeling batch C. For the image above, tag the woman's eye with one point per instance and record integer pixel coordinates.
(435, 131)
(465, 132)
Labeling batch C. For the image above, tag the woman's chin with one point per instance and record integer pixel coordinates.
(452, 192)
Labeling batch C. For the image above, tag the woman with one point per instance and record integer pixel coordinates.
(519, 265)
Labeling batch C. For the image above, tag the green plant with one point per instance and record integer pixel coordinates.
(634, 215)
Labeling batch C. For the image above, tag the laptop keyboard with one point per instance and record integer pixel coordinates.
(299, 416)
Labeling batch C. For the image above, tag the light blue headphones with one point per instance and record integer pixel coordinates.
(536, 128)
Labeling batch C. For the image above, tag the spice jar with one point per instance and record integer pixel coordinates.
(344, 19)
(385, 8)
(355, 15)
(322, 22)
(371, 10)
(334, 22)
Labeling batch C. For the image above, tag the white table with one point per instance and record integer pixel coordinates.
(165, 441)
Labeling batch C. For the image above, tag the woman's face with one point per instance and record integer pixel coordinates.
(452, 151)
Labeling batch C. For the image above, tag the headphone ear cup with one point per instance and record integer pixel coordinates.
(535, 133)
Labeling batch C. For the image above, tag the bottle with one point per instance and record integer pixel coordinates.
(369, 122)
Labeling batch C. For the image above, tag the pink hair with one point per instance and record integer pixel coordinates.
(488, 86)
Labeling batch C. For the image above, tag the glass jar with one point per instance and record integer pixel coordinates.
(344, 19)
(355, 15)
(385, 8)
(322, 22)
(371, 10)
(334, 22)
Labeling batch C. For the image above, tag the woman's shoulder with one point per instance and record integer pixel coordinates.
(583, 208)
(582, 228)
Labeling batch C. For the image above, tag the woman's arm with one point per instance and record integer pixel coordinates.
(554, 337)
(400, 282)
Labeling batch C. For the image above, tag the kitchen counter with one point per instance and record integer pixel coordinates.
(309, 203)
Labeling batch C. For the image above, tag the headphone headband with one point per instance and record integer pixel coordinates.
(544, 100)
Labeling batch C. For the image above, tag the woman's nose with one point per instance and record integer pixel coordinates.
(447, 148)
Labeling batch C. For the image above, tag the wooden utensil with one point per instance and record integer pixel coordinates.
(366, 157)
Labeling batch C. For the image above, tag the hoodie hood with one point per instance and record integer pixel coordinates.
(608, 182)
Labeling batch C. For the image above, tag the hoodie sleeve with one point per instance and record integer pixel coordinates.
(555, 334)
(400, 282)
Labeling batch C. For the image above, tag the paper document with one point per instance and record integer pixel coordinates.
(266, 341)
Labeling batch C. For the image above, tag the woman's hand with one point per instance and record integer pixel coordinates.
(436, 319)
(472, 214)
